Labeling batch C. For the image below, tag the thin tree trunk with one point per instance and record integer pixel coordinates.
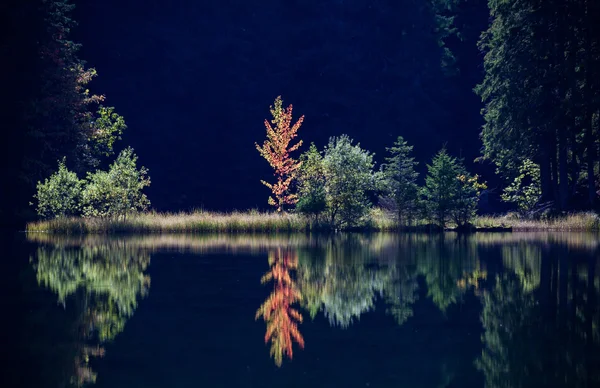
(563, 175)
(588, 92)
(554, 162)
(545, 175)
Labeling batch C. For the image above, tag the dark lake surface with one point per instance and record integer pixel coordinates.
(347, 310)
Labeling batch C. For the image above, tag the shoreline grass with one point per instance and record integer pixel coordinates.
(259, 222)
(573, 222)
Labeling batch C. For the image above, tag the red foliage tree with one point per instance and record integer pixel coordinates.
(277, 311)
(276, 150)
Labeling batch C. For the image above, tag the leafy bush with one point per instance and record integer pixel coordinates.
(349, 177)
(526, 189)
(311, 184)
(60, 194)
(117, 192)
(467, 198)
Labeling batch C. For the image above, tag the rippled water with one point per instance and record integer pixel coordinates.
(381, 310)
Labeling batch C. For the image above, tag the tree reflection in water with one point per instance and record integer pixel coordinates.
(535, 294)
(281, 318)
(102, 284)
(541, 318)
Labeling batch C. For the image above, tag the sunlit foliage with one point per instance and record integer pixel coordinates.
(526, 189)
(349, 178)
(312, 200)
(118, 191)
(276, 150)
(60, 194)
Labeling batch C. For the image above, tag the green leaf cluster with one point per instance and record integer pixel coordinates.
(60, 194)
(118, 191)
(337, 182)
(526, 188)
(113, 193)
(349, 177)
(311, 184)
(108, 128)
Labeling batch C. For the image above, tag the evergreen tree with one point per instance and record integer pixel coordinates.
(450, 192)
(541, 93)
(400, 179)
(52, 114)
(441, 187)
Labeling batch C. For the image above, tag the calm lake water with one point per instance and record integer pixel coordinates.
(382, 310)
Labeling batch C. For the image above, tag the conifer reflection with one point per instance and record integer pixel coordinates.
(344, 277)
(101, 284)
(541, 319)
(277, 311)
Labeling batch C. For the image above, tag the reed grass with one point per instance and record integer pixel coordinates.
(574, 222)
(262, 222)
(195, 222)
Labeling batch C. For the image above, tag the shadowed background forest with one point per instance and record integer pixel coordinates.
(513, 84)
(194, 81)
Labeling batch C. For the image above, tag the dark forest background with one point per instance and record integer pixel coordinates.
(194, 80)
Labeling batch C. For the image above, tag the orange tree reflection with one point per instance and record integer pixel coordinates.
(281, 318)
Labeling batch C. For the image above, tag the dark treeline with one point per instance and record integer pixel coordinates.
(51, 113)
(193, 79)
(176, 71)
(542, 94)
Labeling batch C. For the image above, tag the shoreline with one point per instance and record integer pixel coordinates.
(256, 222)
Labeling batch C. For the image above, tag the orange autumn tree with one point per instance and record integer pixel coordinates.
(277, 311)
(276, 150)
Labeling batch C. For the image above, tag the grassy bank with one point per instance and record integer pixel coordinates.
(196, 222)
(585, 221)
(257, 222)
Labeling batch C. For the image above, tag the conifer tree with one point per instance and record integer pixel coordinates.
(441, 187)
(451, 193)
(399, 179)
(541, 94)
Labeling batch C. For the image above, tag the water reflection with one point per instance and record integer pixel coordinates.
(541, 318)
(533, 296)
(99, 285)
(277, 311)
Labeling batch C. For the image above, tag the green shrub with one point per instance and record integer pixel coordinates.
(117, 192)
(311, 184)
(60, 194)
(526, 189)
(348, 179)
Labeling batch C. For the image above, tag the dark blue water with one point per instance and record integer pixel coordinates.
(486, 310)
